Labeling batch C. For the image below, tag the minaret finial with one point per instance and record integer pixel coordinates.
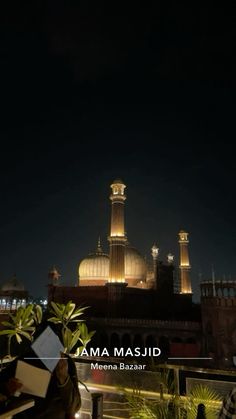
(170, 258)
(213, 280)
(54, 275)
(99, 247)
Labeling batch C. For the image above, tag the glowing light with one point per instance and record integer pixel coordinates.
(116, 280)
(170, 258)
(117, 234)
(155, 251)
(183, 236)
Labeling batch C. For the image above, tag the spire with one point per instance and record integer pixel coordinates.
(99, 247)
(170, 258)
(54, 275)
(213, 281)
(154, 252)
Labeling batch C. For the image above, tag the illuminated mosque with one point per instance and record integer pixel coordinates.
(125, 264)
(108, 282)
(131, 303)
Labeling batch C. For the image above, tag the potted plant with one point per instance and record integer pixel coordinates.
(21, 325)
(73, 328)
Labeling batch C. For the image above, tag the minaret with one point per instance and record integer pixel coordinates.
(213, 281)
(185, 282)
(117, 236)
(155, 252)
(54, 275)
(170, 259)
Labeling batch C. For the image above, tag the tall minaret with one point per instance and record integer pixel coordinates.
(185, 282)
(117, 236)
(155, 252)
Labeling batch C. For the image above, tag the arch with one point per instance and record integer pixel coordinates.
(126, 341)
(225, 292)
(219, 292)
(209, 328)
(176, 340)
(164, 346)
(103, 340)
(231, 292)
(114, 341)
(150, 342)
(138, 342)
(95, 341)
(191, 340)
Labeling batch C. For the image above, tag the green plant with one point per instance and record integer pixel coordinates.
(22, 324)
(168, 407)
(203, 394)
(66, 314)
(169, 404)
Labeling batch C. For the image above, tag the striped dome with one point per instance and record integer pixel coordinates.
(95, 266)
(135, 266)
(94, 269)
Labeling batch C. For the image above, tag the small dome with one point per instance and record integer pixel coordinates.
(13, 285)
(135, 266)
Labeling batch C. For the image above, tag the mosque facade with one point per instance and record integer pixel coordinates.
(132, 303)
(125, 264)
(128, 297)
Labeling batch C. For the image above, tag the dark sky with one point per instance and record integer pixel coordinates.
(90, 93)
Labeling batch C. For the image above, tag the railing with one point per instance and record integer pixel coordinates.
(162, 324)
(19, 407)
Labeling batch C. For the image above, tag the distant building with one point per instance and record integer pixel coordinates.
(12, 295)
(218, 306)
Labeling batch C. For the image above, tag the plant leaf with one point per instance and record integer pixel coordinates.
(7, 332)
(56, 310)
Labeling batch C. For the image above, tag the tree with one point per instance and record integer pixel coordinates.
(22, 324)
(68, 314)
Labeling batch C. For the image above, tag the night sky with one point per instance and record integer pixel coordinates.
(91, 93)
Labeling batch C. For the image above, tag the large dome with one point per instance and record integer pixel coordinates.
(135, 266)
(94, 269)
(12, 285)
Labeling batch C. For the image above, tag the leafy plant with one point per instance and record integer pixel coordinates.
(22, 324)
(203, 394)
(170, 404)
(65, 314)
(160, 408)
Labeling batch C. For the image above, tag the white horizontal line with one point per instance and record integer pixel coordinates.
(190, 358)
(35, 357)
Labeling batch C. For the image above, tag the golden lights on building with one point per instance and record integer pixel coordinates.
(184, 266)
(125, 264)
(117, 236)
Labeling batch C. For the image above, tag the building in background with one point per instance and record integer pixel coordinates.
(133, 302)
(12, 295)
